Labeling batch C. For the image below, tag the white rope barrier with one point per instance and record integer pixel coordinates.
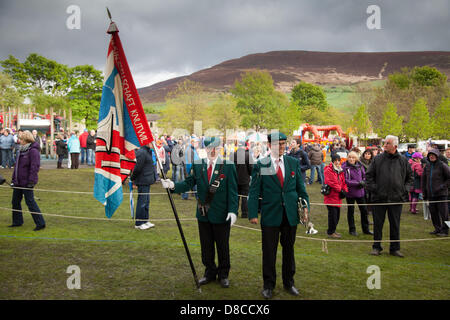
(323, 240)
(242, 196)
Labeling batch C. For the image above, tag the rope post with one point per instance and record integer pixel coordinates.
(324, 246)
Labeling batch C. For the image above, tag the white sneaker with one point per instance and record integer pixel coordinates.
(145, 226)
(150, 225)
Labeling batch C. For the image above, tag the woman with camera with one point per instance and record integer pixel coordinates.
(335, 180)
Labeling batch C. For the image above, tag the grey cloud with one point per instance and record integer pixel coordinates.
(178, 36)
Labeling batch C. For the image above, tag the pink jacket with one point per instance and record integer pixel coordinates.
(416, 167)
(417, 170)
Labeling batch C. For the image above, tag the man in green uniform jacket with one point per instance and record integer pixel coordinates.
(216, 216)
(277, 179)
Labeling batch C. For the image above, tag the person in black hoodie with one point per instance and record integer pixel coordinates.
(389, 178)
(241, 159)
(90, 148)
(435, 184)
(61, 150)
(300, 155)
(143, 175)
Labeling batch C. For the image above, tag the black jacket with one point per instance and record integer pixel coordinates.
(61, 148)
(241, 159)
(389, 178)
(144, 172)
(435, 178)
(90, 142)
(302, 156)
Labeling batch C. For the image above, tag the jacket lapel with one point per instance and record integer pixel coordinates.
(205, 171)
(287, 171)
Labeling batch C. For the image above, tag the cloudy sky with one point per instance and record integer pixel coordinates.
(167, 38)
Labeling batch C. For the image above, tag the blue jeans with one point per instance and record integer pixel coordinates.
(6, 157)
(143, 204)
(17, 216)
(90, 157)
(322, 175)
(83, 155)
(313, 173)
(179, 176)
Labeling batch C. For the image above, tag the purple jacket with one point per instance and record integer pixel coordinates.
(27, 166)
(354, 174)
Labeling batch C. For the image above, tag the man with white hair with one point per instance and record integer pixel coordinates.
(389, 178)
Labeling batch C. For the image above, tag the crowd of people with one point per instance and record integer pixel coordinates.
(267, 178)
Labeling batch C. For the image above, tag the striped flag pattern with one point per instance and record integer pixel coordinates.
(122, 127)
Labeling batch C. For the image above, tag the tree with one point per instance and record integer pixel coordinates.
(42, 101)
(85, 93)
(185, 105)
(9, 97)
(257, 101)
(291, 119)
(405, 87)
(37, 72)
(401, 79)
(391, 123)
(50, 84)
(306, 94)
(223, 114)
(419, 125)
(428, 76)
(441, 120)
(361, 122)
(312, 115)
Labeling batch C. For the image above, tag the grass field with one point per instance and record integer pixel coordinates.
(342, 96)
(120, 262)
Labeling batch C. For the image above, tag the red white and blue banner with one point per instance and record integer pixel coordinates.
(122, 127)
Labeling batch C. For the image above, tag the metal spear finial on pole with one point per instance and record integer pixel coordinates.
(109, 14)
(112, 26)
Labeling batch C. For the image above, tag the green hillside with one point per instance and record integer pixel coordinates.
(343, 96)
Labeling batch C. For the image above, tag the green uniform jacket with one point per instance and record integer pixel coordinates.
(265, 184)
(226, 198)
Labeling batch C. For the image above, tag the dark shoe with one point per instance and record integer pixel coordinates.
(354, 233)
(368, 232)
(292, 290)
(204, 281)
(224, 283)
(434, 232)
(396, 254)
(267, 293)
(14, 225)
(39, 228)
(375, 252)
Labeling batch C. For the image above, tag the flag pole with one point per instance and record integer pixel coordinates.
(112, 29)
(172, 203)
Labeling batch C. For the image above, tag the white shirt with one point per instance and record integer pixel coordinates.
(281, 163)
